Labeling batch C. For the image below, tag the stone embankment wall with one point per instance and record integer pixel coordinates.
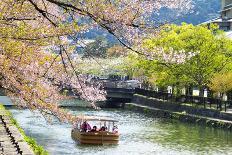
(164, 109)
(152, 102)
(13, 139)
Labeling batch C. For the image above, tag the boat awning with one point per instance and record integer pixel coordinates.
(96, 118)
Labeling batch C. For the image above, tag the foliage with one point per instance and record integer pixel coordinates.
(116, 51)
(222, 82)
(96, 49)
(183, 56)
(129, 65)
(35, 53)
(101, 48)
(189, 54)
(99, 67)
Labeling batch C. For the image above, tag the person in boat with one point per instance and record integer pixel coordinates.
(94, 129)
(85, 127)
(115, 129)
(103, 128)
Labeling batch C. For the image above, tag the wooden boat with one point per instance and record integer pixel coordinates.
(96, 137)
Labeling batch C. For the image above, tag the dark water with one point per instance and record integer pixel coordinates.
(139, 135)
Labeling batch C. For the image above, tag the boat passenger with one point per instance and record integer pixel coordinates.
(115, 129)
(94, 129)
(103, 128)
(85, 127)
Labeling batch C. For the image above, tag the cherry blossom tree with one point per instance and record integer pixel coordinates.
(35, 56)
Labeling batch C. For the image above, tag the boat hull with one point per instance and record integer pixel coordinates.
(98, 138)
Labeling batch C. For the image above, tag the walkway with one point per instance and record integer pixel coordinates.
(11, 140)
(229, 111)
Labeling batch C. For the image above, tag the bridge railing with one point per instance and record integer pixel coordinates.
(125, 90)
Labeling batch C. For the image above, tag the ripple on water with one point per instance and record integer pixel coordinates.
(139, 135)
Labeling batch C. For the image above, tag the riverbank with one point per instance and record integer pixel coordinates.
(13, 140)
(184, 113)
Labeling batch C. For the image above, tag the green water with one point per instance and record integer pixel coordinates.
(138, 135)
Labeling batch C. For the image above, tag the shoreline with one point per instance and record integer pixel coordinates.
(155, 108)
(13, 137)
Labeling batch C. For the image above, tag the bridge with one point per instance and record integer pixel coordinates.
(121, 93)
(116, 97)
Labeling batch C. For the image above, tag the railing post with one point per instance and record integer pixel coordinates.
(220, 101)
(225, 106)
(192, 98)
(210, 103)
(204, 102)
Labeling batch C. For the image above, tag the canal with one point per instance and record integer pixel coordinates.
(139, 135)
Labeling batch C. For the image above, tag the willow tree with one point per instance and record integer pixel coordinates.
(35, 55)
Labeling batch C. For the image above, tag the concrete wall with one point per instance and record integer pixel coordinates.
(227, 14)
(222, 4)
(227, 2)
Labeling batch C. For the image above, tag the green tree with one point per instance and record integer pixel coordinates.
(116, 51)
(187, 55)
(96, 49)
(222, 82)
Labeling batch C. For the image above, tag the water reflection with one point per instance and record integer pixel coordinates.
(139, 135)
